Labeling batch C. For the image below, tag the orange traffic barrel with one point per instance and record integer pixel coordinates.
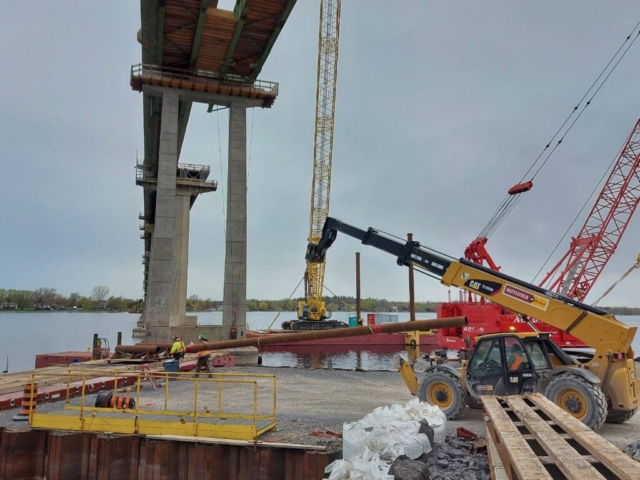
(29, 400)
(121, 401)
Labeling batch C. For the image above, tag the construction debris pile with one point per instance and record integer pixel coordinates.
(458, 459)
(633, 450)
(405, 443)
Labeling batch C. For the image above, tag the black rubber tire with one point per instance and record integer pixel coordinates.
(454, 384)
(595, 399)
(620, 416)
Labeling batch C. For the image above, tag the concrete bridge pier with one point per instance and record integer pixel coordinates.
(168, 262)
(234, 315)
(162, 295)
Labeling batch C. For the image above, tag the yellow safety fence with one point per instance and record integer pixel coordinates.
(165, 404)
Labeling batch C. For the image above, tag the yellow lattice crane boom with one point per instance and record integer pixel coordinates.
(313, 310)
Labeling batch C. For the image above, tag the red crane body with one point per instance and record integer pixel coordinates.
(587, 256)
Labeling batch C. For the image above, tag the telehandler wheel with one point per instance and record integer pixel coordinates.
(445, 391)
(580, 398)
(620, 416)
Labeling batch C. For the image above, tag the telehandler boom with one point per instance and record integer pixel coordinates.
(604, 387)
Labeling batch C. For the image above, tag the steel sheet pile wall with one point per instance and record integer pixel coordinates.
(31, 454)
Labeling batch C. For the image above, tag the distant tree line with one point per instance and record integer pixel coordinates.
(48, 298)
(343, 303)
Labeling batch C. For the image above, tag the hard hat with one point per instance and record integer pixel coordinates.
(202, 337)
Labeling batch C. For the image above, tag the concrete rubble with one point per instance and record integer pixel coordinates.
(454, 461)
(633, 450)
(407, 443)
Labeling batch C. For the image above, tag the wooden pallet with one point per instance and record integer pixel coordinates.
(531, 438)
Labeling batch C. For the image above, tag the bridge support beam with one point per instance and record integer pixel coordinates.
(160, 292)
(180, 263)
(234, 315)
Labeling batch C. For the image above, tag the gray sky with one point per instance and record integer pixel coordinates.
(441, 107)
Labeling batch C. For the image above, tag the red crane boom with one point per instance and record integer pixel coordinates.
(600, 235)
(576, 272)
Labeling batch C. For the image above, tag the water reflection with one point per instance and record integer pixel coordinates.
(343, 357)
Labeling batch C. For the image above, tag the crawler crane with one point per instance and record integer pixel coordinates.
(312, 312)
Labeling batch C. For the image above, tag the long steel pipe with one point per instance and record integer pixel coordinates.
(150, 348)
(276, 338)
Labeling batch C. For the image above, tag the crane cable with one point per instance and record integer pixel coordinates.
(285, 305)
(584, 205)
(634, 267)
(510, 202)
(336, 296)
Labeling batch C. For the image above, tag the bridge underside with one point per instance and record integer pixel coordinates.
(194, 52)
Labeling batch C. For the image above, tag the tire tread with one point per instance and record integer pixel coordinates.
(461, 391)
(596, 394)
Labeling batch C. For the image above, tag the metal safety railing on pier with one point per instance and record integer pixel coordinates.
(186, 174)
(215, 405)
(202, 81)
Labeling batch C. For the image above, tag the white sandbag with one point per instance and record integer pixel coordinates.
(338, 470)
(407, 441)
(389, 440)
(368, 466)
(354, 439)
(417, 410)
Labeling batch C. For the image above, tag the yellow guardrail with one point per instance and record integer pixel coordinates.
(200, 419)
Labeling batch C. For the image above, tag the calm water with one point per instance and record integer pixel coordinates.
(24, 335)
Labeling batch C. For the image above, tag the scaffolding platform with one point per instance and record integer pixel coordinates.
(150, 424)
(201, 81)
(230, 406)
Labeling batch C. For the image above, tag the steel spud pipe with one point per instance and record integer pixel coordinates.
(138, 348)
(276, 338)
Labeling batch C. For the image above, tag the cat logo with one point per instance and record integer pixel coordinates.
(474, 284)
(513, 379)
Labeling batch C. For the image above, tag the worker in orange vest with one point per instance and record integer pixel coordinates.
(518, 357)
(203, 358)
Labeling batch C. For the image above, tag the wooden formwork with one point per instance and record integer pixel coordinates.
(531, 438)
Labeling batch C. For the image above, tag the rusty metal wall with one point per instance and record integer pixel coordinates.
(36, 454)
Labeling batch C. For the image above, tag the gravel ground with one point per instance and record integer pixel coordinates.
(308, 399)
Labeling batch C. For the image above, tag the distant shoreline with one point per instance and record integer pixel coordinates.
(220, 311)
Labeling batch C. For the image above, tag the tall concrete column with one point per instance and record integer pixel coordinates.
(235, 267)
(181, 260)
(160, 287)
